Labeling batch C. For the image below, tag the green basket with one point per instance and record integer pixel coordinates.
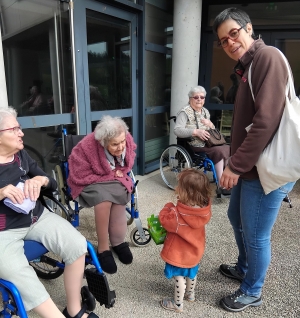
(157, 232)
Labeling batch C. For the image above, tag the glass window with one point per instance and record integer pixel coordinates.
(159, 22)
(44, 147)
(158, 79)
(291, 49)
(37, 56)
(157, 128)
(109, 59)
(224, 82)
(266, 13)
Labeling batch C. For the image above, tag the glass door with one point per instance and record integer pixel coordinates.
(289, 44)
(106, 64)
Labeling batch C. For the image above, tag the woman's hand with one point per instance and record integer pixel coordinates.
(15, 194)
(119, 174)
(32, 187)
(228, 179)
(202, 134)
(207, 123)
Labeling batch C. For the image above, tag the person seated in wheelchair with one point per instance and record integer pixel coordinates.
(98, 167)
(22, 217)
(193, 121)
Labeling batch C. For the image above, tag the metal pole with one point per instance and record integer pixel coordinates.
(73, 50)
(3, 89)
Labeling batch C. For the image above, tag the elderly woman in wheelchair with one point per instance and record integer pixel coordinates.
(193, 120)
(98, 177)
(22, 217)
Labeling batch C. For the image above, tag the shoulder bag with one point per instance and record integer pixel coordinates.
(279, 164)
(215, 139)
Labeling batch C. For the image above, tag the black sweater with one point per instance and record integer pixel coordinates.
(23, 167)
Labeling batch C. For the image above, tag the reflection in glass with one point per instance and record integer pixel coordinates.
(159, 22)
(37, 64)
(109, 61)
(264, 13)
(291, 49)
(221, 78)
(157, 129)
(158, 79)
(42, 147)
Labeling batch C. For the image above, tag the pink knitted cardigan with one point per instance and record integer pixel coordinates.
(88, 164)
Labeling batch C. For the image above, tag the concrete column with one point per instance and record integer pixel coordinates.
(3, 91)
(185, 53)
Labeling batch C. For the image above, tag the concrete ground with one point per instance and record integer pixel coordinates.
(139, 287)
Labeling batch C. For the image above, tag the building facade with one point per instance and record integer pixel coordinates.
(67, 63)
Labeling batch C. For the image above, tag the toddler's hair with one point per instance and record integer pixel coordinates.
(193, 188)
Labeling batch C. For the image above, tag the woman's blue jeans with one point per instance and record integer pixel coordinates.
(252, 215)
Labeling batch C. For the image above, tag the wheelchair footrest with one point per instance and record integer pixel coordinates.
(98, 286)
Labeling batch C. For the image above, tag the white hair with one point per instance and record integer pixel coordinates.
(6, 112)
(108, 128)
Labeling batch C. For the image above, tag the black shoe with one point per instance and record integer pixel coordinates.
(80, 314)
(226, 192)
(107, 262)
(238, 301)
(231, 272)
(124, 253)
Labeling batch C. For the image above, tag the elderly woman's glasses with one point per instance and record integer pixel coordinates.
(198, 96)
(14, 129)
(233, 35)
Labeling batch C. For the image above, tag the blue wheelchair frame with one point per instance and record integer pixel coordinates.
(97, 283)
(140, 236)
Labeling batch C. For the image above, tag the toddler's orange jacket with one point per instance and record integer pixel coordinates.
(185, 241)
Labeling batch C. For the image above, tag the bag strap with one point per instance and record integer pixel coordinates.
(289, 86)
(196, 119)
(216, 133)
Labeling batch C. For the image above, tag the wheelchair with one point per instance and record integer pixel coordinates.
(180, 156)
(48, 266)
(139, 235)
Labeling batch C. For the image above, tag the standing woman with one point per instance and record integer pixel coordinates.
(98, 178)
(22, 217)
(252, 223)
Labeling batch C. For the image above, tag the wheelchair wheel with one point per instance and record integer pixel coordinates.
(34, 154)
(45, 266)
(136, 238)
(172, 161)
(60, 183)
(55, 206)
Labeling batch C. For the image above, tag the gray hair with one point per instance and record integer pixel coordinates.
(195, 90)
(6, 112)
(238, 15)
(108, 128)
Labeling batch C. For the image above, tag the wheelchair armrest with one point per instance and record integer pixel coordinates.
(184, 139)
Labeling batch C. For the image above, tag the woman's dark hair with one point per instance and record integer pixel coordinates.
(238, 15)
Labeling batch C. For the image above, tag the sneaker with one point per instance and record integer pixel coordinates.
(238, 301)
(189, 296)
(231, 272)
(169, 304)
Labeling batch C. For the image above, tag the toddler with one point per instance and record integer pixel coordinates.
(185, 241)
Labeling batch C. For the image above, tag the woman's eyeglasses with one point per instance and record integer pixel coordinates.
(233, 35)
(14, 129)
(198, 96)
